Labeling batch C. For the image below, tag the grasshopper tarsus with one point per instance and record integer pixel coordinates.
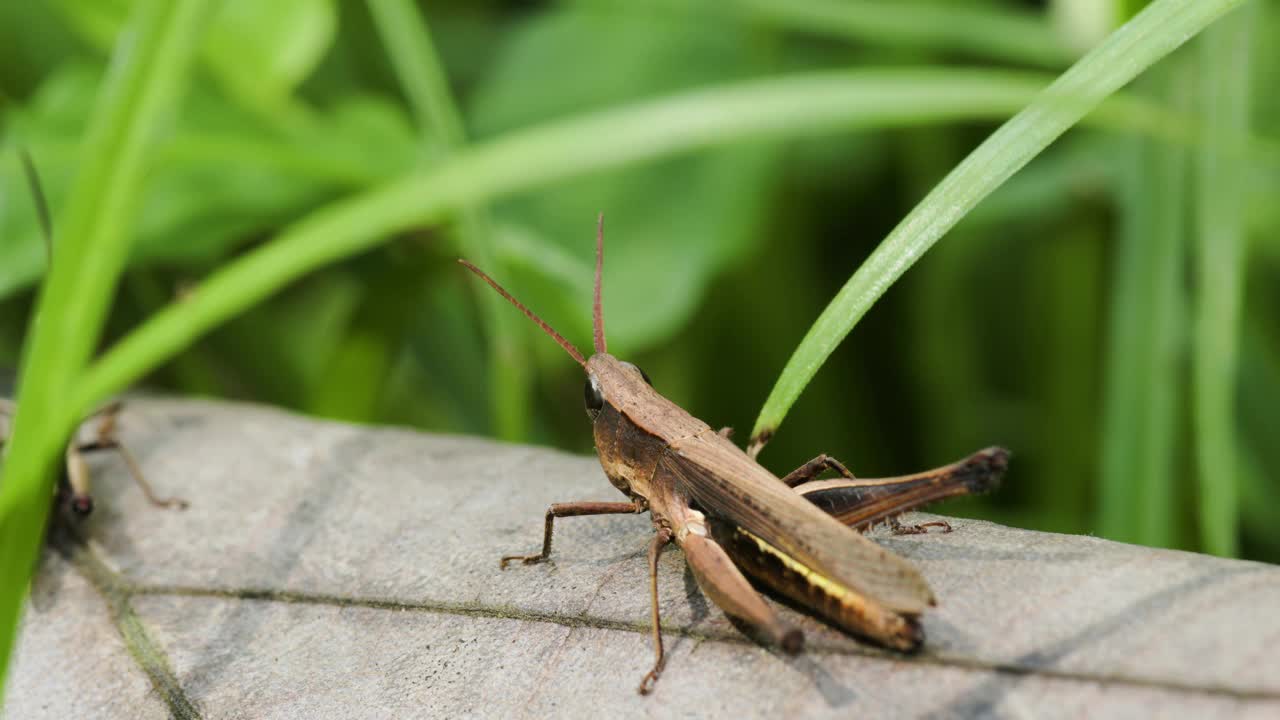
(650, 678)
(897, 528)
(170, 503)
(524, 560)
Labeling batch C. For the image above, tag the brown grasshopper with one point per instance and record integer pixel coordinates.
(797, 535)
(72, 494)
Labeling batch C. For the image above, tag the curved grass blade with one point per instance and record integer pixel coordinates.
(1158, 30)
(1220, 189)
(1144, 397)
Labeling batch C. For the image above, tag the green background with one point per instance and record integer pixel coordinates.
(1064, 318)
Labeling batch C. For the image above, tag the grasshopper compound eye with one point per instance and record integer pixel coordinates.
(592, 397)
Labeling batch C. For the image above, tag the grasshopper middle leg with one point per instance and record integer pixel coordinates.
(660, 541)
(814, 468)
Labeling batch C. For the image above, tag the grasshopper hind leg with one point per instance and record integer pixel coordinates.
(726, 586)
(864, 503)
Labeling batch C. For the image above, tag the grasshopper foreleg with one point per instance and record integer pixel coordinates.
(572, 509)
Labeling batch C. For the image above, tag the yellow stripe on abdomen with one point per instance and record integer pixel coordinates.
(814, 591)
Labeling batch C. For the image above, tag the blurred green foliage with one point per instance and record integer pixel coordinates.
(1057, 320)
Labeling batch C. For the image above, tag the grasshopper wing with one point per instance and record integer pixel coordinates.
(728, 484)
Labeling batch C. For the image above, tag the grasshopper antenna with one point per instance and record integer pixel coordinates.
(597, 309)
(41, 203)
(568, 347)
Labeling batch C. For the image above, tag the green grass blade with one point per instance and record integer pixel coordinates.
(148, 69)
(405, 32)
(1003, 34)
(1143, 399)
(1220, 192)
(417, 66)
(1154, 33)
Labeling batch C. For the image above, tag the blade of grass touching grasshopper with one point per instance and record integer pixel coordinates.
(1151, 35)
(805, 104)
(417, 65)
(1005, 34)
(148, 69)
(1220, 192)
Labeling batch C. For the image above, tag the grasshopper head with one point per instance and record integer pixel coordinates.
(611, 383)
